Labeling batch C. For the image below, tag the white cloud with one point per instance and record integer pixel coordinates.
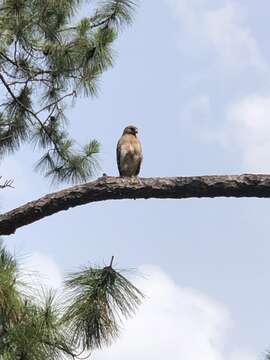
(233, 41)
(247, 131)
(173, 323)
(219, 34)
(240, 355)
(220, 29)
(41, 270)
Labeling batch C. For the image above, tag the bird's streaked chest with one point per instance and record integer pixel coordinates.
(130, 147)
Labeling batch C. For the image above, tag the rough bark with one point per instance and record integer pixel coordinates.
(113, 188)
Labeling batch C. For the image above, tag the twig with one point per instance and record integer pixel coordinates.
(7, 183)
(33, 114)
(111, 263)
(73, 93)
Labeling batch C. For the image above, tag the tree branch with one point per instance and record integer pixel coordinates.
(113, 188)
(6, 184)
(34, 115)
(73, 93)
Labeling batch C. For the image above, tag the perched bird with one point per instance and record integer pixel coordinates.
(129, 152)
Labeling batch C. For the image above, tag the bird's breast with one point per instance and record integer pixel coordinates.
(129, 155)
(131, 150)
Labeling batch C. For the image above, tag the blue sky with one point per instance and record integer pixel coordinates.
(194, 77)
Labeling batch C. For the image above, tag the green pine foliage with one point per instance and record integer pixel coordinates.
(45, 61)
(98, 298)
(41, 326)
(38, 334)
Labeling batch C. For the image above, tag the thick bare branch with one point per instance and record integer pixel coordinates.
(113, 188)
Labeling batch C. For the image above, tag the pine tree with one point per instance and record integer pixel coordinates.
(45, 60)
(44, 328)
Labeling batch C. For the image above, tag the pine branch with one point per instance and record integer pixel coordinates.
(8, 59)
(6, 184)
(113, 188)
(73, 93)
(97, 299)
(34, 115)
(114, 12)
(43, 62)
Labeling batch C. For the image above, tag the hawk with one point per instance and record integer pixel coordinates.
(129, 152)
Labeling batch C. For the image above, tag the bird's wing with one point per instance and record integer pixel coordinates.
(138, 167)
(118, 155)
(140, 158)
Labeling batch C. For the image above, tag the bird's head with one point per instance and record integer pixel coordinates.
(131, 129)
